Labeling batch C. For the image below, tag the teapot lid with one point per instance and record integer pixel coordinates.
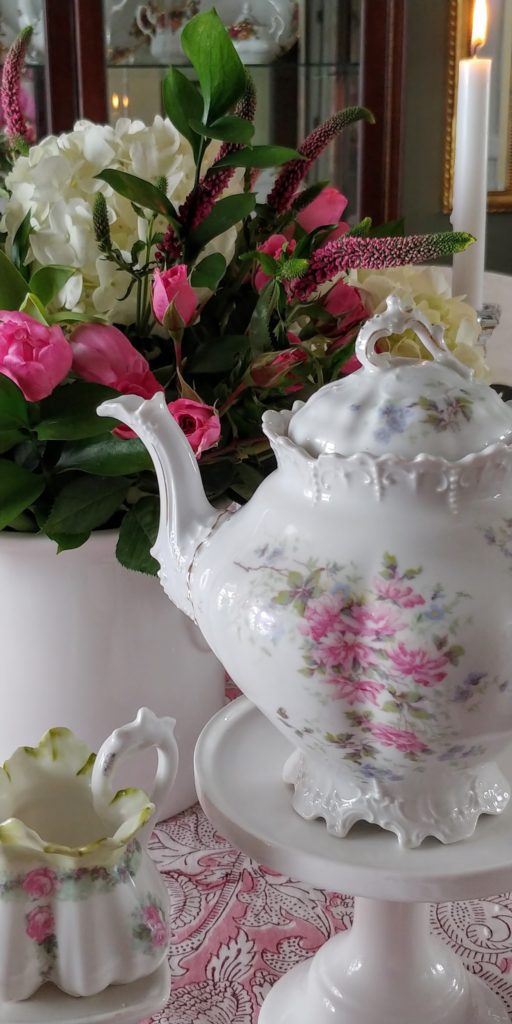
(404, 407)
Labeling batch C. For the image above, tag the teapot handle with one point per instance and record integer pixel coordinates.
(396, 319)
(146, 730)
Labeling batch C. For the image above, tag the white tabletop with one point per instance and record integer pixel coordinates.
(238, 763)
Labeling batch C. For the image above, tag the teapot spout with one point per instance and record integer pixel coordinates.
(186, 515)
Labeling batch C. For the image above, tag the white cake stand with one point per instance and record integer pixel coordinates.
(387, 969)
(118, 1004)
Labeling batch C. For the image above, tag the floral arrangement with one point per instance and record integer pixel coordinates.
(174, 277)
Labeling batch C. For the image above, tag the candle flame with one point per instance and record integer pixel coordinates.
(479, 32)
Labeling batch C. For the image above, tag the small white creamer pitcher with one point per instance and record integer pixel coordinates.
(81, 903)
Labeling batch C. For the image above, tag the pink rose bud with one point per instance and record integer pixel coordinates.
(269, 369)
(103, 355)
(274, 246)
(173, 287)
(327, 208)
(36, 357)
(199, 423)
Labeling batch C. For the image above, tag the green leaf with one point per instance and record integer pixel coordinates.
(106, 455)
(206, 43)
(182, 104)
(8, 439)
(258, 156)
(33, 307)
(209, 272)
(219, 354)
(267, 263)
(247, 479)
(389, 230)
(229, 129)
(13, 406)
(306, 197)
(68, 541)
(259, 335)
(141, 192)
(70, 413)
(47, 281)
(18, 489)
(85, 504)
(217, 477)
(20, 245)
(13, 286)
(225, 214)
(66, 316)
(137, 535)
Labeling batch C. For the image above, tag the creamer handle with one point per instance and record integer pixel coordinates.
(146, 730)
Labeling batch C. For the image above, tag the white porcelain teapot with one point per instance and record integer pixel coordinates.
(362, 599)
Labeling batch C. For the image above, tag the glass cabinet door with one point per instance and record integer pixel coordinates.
(104, 59)
(16, 15)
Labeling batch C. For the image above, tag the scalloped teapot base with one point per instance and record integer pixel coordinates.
(447, 806)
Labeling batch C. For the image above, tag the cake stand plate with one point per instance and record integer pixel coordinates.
(118, 1004)
(387, 969)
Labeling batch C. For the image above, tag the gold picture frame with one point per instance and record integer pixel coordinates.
(459, 47)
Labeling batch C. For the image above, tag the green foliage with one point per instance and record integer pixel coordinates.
(141, 192)
(183, 105)
(138, 534)
(221, 74)
(19, 489)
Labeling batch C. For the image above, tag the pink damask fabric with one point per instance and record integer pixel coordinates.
(238, 927)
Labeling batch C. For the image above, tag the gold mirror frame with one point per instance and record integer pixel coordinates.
(459, 47)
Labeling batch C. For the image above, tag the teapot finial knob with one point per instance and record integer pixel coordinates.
(397, 318)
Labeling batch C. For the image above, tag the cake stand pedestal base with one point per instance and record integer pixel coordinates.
(387, 969)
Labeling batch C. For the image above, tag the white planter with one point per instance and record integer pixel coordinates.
(84, 643)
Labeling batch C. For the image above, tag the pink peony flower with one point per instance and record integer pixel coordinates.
(273, 247)
(154, 920)
(103, 355)
(398, 593)
(401, 739)
(36, 357)
(415, 662)
(322, 615)
(199, 423)
(374, 621)
(327, 208)
(40, 923)
(173, 286)
(356, 691)
(39, 882)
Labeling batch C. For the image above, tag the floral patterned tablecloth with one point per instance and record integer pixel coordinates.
(238, 927)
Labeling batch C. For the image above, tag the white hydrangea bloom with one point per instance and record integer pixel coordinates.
(56, 182)
(427, 288)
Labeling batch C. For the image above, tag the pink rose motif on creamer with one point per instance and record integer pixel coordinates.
(149, 927)
(40, 924)
(39, 882)
(153, 917)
